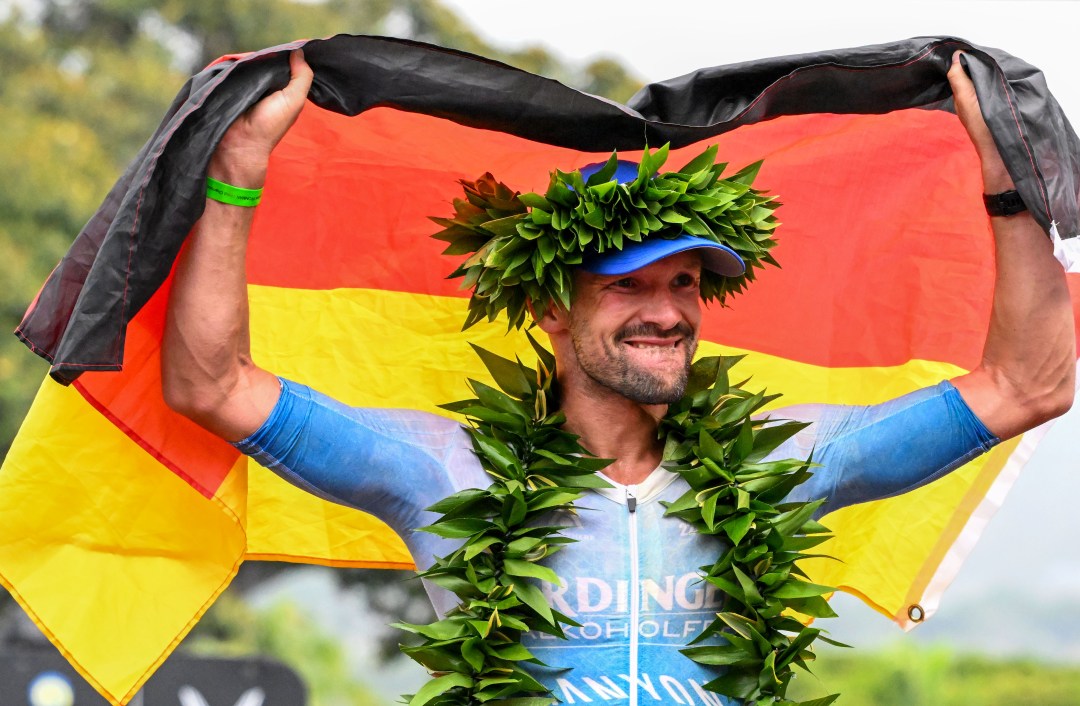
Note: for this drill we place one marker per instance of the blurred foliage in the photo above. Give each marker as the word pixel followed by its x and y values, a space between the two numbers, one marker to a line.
pixel 283 631
pixel 907 674
pixel 387 596
pixel 85 83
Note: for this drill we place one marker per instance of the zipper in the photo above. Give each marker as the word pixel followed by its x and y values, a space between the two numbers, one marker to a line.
pixel 635 590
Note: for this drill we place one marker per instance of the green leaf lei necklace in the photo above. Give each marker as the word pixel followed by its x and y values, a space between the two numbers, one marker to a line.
pixel 710 438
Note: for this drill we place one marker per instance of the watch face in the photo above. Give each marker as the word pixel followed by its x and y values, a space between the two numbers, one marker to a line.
pixel 1007 203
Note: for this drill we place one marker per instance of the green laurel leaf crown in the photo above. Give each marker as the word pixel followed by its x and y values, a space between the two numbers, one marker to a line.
pixel 523 247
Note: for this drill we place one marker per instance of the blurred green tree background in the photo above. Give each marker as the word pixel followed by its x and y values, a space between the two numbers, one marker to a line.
pixel 85 82
pixel 905 675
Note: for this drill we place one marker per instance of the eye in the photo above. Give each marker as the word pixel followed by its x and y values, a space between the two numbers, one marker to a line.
pixel 624 283
pixel 685 281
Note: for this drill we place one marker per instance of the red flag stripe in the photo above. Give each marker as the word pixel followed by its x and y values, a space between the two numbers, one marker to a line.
pixel 831 171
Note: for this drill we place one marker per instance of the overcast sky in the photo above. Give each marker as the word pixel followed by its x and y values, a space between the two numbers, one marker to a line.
pixel 1028 558
pixel 663 40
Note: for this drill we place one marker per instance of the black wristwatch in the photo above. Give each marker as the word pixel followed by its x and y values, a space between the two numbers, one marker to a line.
pixel 1007 203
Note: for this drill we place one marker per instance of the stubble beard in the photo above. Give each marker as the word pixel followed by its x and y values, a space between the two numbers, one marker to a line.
pixel 612 369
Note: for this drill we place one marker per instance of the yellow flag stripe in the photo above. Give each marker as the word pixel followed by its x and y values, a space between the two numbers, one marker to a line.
pixel 379 348
pixel 923 593
pixel 288 524
pixel 890 549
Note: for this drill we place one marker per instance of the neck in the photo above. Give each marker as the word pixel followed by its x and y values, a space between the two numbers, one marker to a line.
pixel 612 426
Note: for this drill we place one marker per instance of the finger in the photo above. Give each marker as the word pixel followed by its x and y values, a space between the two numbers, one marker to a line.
pixel 967 100
pixel 300 78
pixel 958 77
pixel 957 57
pixel 968 109
pixel 280 110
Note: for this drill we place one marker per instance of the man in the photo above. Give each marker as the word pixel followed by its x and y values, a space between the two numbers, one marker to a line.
pixel 622 347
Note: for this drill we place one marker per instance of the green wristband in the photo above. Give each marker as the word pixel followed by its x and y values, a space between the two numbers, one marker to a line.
pixel 232 195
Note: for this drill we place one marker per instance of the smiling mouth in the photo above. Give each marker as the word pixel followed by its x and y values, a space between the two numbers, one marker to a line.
pixel 650 337
pixel 657 345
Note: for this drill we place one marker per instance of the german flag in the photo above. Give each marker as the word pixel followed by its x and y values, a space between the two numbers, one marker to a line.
pixel 124 521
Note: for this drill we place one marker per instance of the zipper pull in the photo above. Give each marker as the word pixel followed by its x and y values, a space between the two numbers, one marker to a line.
pixel 631 500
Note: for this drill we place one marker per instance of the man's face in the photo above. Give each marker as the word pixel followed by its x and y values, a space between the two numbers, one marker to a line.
pixel 636 334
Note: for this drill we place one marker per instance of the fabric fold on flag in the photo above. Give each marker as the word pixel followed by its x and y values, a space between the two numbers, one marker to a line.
pixel 885 287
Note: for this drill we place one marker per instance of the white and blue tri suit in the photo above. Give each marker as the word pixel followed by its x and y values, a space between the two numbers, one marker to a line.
pixel 632 580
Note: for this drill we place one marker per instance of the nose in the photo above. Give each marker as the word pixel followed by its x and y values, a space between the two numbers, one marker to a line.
pixel 663 308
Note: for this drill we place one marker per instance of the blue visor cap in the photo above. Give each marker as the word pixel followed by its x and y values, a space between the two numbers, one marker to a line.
pixel 714 257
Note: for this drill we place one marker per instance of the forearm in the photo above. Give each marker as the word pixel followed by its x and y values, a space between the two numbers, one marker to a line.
pixel 207 371
pixel 1027 371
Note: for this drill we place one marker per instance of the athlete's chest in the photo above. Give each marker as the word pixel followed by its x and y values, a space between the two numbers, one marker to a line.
pixel 628 557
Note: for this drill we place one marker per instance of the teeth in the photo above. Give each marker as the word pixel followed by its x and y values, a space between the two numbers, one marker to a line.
pixel 643 346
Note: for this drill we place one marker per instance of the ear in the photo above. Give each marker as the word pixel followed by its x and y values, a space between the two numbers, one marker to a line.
pixel 550 320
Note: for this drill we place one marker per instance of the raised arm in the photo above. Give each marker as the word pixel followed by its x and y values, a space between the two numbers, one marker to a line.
pixel 207 371
pixel 1028 366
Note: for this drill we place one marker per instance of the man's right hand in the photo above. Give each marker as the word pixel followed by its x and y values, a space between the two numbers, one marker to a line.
pixel 244 152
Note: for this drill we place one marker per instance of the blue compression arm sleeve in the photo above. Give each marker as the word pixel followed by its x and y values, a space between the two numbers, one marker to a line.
pixel 874 452
pixel 390 463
